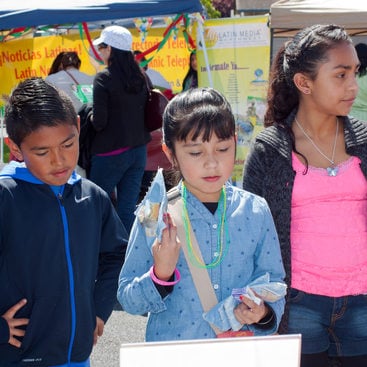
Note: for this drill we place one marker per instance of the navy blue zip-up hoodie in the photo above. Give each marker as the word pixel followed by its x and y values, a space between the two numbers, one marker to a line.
pixel 63 253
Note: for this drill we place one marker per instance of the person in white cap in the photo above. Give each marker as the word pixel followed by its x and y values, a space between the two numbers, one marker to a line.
pixel 119 97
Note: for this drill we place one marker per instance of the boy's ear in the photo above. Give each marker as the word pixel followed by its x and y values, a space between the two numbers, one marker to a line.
pixel 15 150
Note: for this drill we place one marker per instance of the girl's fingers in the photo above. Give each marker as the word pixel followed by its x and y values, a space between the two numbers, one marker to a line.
pixel 172 230
pixel 167 220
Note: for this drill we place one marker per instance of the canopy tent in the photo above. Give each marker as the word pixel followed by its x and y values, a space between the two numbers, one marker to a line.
pixel 37 13
pixel 288 16
pixel 26 13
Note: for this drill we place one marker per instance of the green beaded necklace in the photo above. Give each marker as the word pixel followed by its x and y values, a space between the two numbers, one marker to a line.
pixel 222 241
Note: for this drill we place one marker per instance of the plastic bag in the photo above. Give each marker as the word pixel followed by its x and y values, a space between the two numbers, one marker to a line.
pixel 153 206
pixel 266 290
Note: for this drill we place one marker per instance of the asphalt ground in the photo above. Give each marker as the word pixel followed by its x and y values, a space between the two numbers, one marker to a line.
pixel 120 328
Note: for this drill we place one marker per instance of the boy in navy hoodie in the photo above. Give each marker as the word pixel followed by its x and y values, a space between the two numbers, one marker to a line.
pixel 62 244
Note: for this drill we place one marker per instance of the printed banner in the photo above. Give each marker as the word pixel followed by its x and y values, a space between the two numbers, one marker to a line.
pixel 32 56
pixel 238 54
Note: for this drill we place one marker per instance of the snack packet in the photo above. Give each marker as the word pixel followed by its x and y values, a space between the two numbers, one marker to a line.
pixel 264 289
pixel 153 206
pixel 148 217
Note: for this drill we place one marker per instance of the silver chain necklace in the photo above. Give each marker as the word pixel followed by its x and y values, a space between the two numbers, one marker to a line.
pixel 332 170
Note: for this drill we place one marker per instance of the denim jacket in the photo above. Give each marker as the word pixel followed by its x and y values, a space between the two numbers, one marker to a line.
pixel 253 250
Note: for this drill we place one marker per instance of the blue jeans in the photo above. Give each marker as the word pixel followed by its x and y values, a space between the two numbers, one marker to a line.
pixel 121 175
pixel 337 325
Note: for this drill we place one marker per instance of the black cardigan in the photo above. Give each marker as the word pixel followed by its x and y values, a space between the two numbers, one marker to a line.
pixel 118 116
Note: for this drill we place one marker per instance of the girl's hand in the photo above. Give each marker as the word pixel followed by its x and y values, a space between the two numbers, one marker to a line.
pixel 14 323
pixel 166 253
pixel 248 312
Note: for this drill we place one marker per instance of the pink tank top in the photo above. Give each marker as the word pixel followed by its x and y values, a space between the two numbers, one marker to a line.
pixel 329 230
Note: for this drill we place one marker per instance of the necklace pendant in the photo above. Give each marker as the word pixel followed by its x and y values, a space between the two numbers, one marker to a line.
pixel 332 171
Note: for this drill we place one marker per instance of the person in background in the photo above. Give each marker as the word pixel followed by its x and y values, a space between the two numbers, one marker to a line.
pixel 310 164
pixel 191 78
pixel 65 74
pixel 62 244
pixel 56 65
pixel 234 230
pixel 155 156
pixel 359 108
pixel 119 148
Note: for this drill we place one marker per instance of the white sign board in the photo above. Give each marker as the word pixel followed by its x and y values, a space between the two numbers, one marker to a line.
pixel 260 351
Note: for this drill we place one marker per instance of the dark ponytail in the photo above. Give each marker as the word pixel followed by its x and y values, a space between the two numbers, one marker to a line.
pixel 282 95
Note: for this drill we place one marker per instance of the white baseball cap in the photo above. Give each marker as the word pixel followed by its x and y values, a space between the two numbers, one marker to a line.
pixel 115 36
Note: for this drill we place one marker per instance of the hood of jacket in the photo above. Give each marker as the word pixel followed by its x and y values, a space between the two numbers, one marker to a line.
pixel 19 171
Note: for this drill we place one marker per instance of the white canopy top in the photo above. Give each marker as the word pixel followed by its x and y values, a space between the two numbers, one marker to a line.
pixel 288 16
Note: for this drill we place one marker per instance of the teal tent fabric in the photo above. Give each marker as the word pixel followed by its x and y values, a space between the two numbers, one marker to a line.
pixel 26 13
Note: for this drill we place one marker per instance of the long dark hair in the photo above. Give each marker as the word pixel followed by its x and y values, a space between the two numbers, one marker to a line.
pixel 191 73
pixel 361 49
pixel 302 54
pixel 124 66
pixel 64 60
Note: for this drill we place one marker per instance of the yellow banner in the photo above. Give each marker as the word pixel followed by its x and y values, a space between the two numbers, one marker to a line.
pixel 238 57
pixel 32 57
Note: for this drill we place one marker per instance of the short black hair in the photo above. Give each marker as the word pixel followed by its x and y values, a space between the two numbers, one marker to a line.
pixel 34 103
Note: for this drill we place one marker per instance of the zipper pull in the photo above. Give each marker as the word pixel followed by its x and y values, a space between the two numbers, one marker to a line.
pixel 60 197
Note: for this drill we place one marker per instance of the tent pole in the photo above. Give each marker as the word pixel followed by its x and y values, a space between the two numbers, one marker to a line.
pixel 202 40
pixel 271 44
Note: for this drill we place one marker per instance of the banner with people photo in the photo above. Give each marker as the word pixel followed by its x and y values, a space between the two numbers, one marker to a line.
pixel 234 58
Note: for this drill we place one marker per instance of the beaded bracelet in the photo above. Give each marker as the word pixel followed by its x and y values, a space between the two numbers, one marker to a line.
pixel 162 282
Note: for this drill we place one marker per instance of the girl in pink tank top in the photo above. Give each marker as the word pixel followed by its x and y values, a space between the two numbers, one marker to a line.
pixel 310 164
